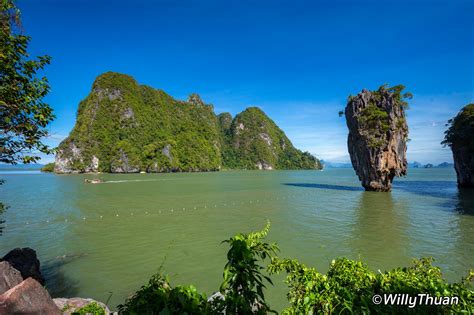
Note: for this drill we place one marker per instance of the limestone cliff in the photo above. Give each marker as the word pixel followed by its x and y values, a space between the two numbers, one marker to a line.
pixel 124 127
pixel 460 137
pixel 253 141
pixel 378 133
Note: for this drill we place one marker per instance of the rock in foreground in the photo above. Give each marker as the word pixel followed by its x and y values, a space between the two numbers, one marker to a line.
pixel 9 277
pixel 25 261
pixel 460 137
pixel 72 305
pixel 28 297
pixel 378 133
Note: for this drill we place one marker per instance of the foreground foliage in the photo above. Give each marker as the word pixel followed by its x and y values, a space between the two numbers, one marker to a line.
pixel 348 286
pixel 90 309
pixel 23 113
pixel 158 297
pixel 243 278
pixel 242 287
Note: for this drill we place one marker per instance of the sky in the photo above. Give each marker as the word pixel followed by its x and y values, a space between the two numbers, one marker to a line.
pixel 297 60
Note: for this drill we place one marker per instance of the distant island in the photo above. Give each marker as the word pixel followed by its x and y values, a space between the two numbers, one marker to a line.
pixel 430 165
pixel 21 167
pixel 124 127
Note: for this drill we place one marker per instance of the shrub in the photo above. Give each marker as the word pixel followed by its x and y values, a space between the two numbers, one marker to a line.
pixel 91 308
pixel 158 297
pixel 243 279
pixel 349 287
pixel 242 287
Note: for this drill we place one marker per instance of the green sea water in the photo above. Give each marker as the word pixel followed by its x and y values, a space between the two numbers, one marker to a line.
pixel 105 240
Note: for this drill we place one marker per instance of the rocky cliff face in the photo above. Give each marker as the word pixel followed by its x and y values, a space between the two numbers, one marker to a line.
pixel 378 133
pixel 124 127
pixel 253 141
pixel 460 137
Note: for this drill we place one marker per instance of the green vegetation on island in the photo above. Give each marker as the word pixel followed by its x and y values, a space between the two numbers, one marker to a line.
pixel 374 118
pixel 460 137
pixel 48 168
pixel 461 129
pixel 378 133
pixel 124 127
pixel 348 287
pixel 253 141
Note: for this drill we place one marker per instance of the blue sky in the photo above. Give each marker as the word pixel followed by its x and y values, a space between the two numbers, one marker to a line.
pixel 296 60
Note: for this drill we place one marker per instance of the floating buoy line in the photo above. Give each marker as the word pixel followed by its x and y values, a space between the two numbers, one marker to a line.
pixel 137 214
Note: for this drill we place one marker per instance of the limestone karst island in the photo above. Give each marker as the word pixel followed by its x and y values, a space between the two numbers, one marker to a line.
pixel 236 158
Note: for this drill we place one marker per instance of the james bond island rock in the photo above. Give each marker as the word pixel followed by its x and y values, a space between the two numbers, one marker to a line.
pixel 124 127
pixel 253 141
pixel 460 137
pixel 378 133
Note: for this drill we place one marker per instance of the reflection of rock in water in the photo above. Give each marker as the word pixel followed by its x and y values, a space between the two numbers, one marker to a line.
pixel 58 283
pixel 2 209
pixel 462 257
pixel 380 231
pixel 465 201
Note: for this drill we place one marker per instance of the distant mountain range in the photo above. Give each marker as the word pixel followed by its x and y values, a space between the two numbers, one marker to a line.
pixel 429 165
pixel 415 164
pixel 20 167
pixel 327 164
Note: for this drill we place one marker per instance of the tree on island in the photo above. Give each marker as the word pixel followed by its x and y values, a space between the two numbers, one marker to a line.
pixel 460 137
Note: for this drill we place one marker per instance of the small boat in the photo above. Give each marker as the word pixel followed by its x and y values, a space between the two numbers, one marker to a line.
pixel 93 181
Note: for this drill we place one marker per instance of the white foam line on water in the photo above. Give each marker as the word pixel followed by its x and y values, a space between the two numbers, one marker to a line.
pixel 133 180
pixel 132 214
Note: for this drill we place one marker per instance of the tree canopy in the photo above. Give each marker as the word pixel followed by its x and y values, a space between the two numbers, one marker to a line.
pixel 461 129
pixel 24 115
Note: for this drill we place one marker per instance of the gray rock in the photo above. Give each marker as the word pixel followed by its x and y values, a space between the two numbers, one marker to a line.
pixel 262 165
pixel 9 277
pixel 167 151
pixel 464 165
pixel 123 165
pixel 69 306
pixel 28 297
pixel 128 114
pixel 70 155
pixel 25 261
pixel 195 99
pixel 65 159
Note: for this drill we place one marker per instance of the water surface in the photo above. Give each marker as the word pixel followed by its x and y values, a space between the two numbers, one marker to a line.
pixel 107 239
